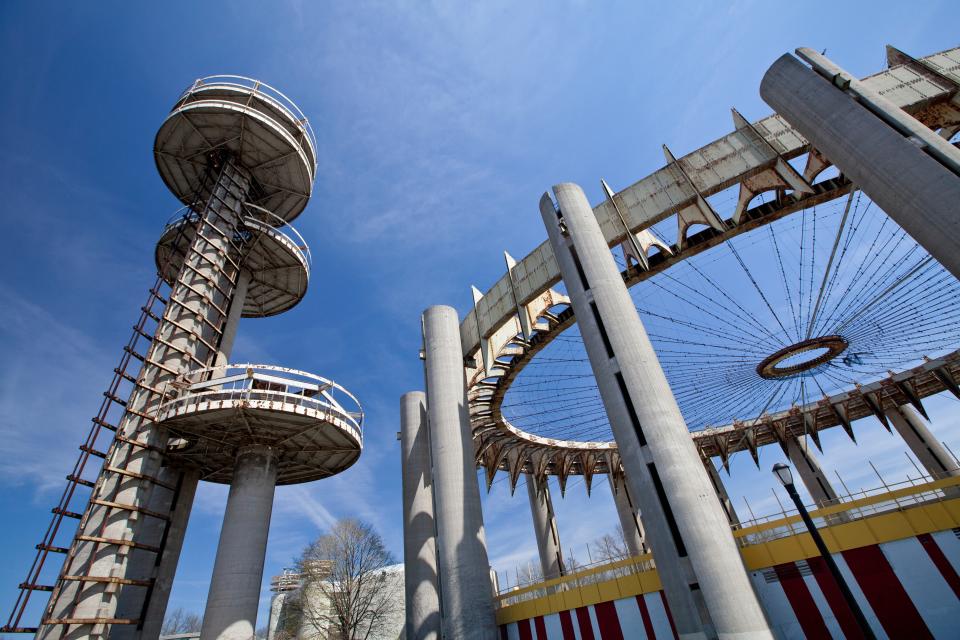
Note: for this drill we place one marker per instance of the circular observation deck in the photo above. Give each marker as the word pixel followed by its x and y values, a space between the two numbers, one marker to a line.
pixel 313 424
pixel 277 258
pixel 263 129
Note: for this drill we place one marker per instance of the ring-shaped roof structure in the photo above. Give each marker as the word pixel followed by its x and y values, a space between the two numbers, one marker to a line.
pixel 522 313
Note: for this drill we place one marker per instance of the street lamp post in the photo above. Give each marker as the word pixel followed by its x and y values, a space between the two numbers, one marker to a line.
pixel 785 476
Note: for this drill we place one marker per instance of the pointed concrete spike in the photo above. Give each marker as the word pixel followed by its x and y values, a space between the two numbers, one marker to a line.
pixel 669 156
pixel 875 406
pixel 943 375
pixel 511 263
pixel 477 294
pixel 606 188
pixel 895 56
pixel 810 428
pixel 841 413
pixel 912 396
pixel 739 122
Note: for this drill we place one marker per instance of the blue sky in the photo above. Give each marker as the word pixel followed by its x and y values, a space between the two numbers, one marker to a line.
pixel 439 126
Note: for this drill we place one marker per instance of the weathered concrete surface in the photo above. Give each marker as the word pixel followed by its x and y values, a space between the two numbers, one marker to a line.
pixel 234 595
pixel 674 480
pixel 462 548
pixel 912 187
pixel 634 535
pixel 930 451
pixel 674 571
pixel 721 491
pixel 545 527
pixel 419 529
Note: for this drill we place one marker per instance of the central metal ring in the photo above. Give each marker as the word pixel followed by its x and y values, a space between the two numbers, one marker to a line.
pixel 834 345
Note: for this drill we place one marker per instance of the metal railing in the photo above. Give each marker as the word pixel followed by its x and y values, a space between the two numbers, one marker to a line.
pixel 264 91
pixel 891 497
pixel 886 499
pixel 584 576
pixel 258 382
pixel 255 217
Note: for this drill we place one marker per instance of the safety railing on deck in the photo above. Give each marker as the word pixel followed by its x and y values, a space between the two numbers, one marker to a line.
pixel 889 499
pixel 584 576
pixel 892 497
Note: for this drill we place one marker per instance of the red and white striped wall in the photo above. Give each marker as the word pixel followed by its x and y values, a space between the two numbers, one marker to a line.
pixel 646 616
pixel 908 589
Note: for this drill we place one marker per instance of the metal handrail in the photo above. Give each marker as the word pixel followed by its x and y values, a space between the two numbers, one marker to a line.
pixel 268 93
pixel 187 386
pixel 757 531
pixel 189 214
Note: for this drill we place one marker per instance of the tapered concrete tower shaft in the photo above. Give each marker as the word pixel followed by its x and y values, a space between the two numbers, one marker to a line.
pixel 721 491
pixel 186 481
pixel 187 334
pixel 234 596
pixel 545 527
pixel 419 529
pixel 461 544
pixel 631 524
pixel 673 481
pixel 923 443
pixel 915 189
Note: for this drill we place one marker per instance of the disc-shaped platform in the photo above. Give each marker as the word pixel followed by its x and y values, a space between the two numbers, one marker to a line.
pixel 314 424
pixel 277 259
pixel 262 128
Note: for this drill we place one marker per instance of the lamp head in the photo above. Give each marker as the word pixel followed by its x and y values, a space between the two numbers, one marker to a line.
pixel 783 473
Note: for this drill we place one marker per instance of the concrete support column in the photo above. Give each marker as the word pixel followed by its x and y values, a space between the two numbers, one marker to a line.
pixel 915 189
pixel 186 481
pixel 234 595
pixel 461 542
pixel 661 463
pixel 233 318
pixel 545 527
pixel 419 529
pixel 721 491
pixel 633 534
pixel 811 473
pixel 929 451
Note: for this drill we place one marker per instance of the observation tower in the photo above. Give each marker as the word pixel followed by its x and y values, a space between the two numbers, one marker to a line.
pixel 241 158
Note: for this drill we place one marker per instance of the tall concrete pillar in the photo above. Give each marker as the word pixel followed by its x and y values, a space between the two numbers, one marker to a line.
pixel 234 596
pixel 461 543
pixel 545 527
pixel 721 492
pixel 888 162
pixel 811 473
pixel 631 524
pixel 929 451
pixel 186 481
pixel 419 529
pixel 659 459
